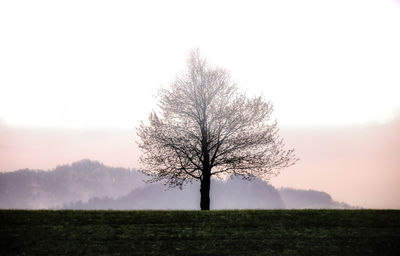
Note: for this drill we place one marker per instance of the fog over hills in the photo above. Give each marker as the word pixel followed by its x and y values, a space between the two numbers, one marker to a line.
pixel 91 185
pixel 80 181
pixel 234 193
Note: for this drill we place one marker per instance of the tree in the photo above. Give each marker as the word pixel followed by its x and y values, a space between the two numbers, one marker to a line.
pixel 205 128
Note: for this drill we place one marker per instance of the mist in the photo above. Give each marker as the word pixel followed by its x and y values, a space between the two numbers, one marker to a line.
pixel 89 184
pixel 358 165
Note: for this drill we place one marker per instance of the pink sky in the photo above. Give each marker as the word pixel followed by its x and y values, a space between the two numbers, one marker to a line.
pixel 359 165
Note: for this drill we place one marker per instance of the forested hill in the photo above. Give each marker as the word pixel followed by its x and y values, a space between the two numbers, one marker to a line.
pixel 80 181
pixel 233 193
pixel 91 185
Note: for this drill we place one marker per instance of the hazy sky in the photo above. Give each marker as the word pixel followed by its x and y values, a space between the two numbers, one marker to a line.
pixel 76 78
pixel 99 63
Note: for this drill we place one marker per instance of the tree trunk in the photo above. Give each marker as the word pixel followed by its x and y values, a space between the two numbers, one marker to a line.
pixel 205 193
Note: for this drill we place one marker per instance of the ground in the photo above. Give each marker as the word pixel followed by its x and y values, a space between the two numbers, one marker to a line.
pixel 241 232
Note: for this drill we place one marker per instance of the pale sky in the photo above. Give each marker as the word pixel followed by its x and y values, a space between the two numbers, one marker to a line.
pixel 98 64
pixel 77 77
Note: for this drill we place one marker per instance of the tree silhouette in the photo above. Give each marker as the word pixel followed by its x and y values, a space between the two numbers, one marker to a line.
pixel 205 128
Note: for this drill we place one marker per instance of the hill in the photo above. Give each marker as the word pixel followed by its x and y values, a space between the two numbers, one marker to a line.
pixel 233 193
pixel 82 180
pixel 91 185
pixel 309 199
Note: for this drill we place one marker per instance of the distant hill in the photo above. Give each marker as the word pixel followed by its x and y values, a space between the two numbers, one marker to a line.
pixel 80 181
pixel 234 193
pixel 91 185
pixel 309 199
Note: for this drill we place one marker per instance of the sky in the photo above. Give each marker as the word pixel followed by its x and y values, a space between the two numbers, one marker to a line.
pixel 89 71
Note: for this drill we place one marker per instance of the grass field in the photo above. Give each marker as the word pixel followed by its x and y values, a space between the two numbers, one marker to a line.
pixel 247 232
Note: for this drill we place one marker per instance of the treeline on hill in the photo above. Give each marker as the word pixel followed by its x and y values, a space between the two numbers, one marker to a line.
pixel 91 185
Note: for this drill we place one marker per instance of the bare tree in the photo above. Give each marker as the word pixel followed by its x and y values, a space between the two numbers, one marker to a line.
pixel 205 128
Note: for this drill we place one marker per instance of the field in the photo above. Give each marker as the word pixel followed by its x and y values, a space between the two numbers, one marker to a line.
pixel 244 232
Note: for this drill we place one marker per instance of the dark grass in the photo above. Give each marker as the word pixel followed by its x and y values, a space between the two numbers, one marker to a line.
pixel 247 232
